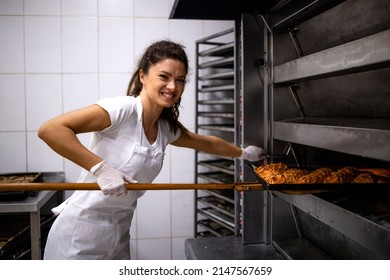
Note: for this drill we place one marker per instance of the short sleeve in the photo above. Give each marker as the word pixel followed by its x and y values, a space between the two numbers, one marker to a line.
pixel 119 108
pixel 176 135
pixel 169 135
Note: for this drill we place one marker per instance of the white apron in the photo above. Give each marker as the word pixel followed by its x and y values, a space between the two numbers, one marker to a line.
pixel 95 226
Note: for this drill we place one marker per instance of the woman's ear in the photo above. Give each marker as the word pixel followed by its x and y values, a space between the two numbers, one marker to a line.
pixel 141 76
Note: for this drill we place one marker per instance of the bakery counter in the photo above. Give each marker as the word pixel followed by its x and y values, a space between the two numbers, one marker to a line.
pixel 228 248
pixel 231 248
pixel 34 206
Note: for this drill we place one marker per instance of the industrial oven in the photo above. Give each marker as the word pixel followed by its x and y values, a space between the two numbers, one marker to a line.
pixel 312 87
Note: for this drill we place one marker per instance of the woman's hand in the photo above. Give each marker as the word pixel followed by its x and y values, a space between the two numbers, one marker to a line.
pixel 110 180
pixel 252 153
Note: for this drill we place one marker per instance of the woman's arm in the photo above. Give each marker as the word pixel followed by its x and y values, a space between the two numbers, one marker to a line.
pixel 60 133
pixel 208 144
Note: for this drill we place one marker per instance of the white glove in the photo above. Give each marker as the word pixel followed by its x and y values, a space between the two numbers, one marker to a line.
pixel 252 153
pixel 110 180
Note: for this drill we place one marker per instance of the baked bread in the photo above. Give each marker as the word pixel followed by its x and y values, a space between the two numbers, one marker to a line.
pixel 292 175
pixel 270 176
pixel 315 177
pixel 365 177
pixel 342 176
pixel 271 173
pixel 278 167
pixel 280 173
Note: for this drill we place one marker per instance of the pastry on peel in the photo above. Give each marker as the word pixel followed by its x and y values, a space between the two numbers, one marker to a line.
pixel 366 177
pixel 342 176
pixel 315 177
pixel 280 173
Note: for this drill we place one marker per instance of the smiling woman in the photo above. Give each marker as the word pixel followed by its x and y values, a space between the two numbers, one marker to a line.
pixel 169 65
pixel 130 135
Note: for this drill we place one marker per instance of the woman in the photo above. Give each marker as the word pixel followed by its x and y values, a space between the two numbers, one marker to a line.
pixel 127 146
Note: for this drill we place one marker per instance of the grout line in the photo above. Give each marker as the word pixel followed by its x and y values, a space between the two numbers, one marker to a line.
pixel 98 48
pixel 25 86
pixel 62 73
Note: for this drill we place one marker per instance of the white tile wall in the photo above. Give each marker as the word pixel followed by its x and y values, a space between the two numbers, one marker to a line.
pixel 12 100
pixel 116 8
pixel 148 30
pixel 79 90
pixel 42 44
pixel 113 84
pixel 178 249
pixel 11 7
pixel 79 8
pixel 116 44
pixel 79 44
pixel 40 157
pixel 161 8
pixel 154 249
pixel 154 207
pixel 182 213
pixel 133 249
pixel 11 47
pixel 43 98
pixel 42 7
pixel 59 55
pixel 13 152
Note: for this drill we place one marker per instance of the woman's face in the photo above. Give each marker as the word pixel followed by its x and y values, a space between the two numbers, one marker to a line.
pixel 164 84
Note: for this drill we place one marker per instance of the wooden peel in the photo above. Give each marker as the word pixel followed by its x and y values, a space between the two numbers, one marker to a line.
pixel 138 186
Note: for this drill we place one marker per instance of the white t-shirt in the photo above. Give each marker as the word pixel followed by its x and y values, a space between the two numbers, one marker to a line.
pixel 116 142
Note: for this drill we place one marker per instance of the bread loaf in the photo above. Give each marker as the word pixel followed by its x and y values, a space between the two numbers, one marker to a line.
pixel 280 173
pixel 366 177
pixel 315 177
pixel 342 176
pixel 271 172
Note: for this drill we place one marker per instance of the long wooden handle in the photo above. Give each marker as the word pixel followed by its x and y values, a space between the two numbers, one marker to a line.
pixel 138 186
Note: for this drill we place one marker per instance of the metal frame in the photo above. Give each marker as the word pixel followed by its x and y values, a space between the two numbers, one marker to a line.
pixel 370 235
pixel 255 121
pixel 365 53
pixel 343 135
pixel 219 55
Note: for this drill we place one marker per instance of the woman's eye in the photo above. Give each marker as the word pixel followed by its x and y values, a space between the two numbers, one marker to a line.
pixel 164 77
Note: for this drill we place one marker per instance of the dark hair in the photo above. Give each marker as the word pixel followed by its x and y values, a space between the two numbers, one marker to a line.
pixel 155 53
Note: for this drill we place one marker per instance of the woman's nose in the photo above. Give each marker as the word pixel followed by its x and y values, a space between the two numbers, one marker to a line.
pixel 171 85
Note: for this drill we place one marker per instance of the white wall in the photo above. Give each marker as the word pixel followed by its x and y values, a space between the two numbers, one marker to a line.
pixel 59 55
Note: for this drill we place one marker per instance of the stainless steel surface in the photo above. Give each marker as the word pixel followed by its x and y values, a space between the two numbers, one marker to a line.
pixel 35 227
pixel 371 235
pixel 217 88
pixel 228 248
pixel 371 51
pixel 331 73
pixel 253 122
pixel 300 249
pixel 30 204
pixel 290 13
pixel 33 206
pixel 361 137
pixel 338 115
pixel 304 5
pixel 223 165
